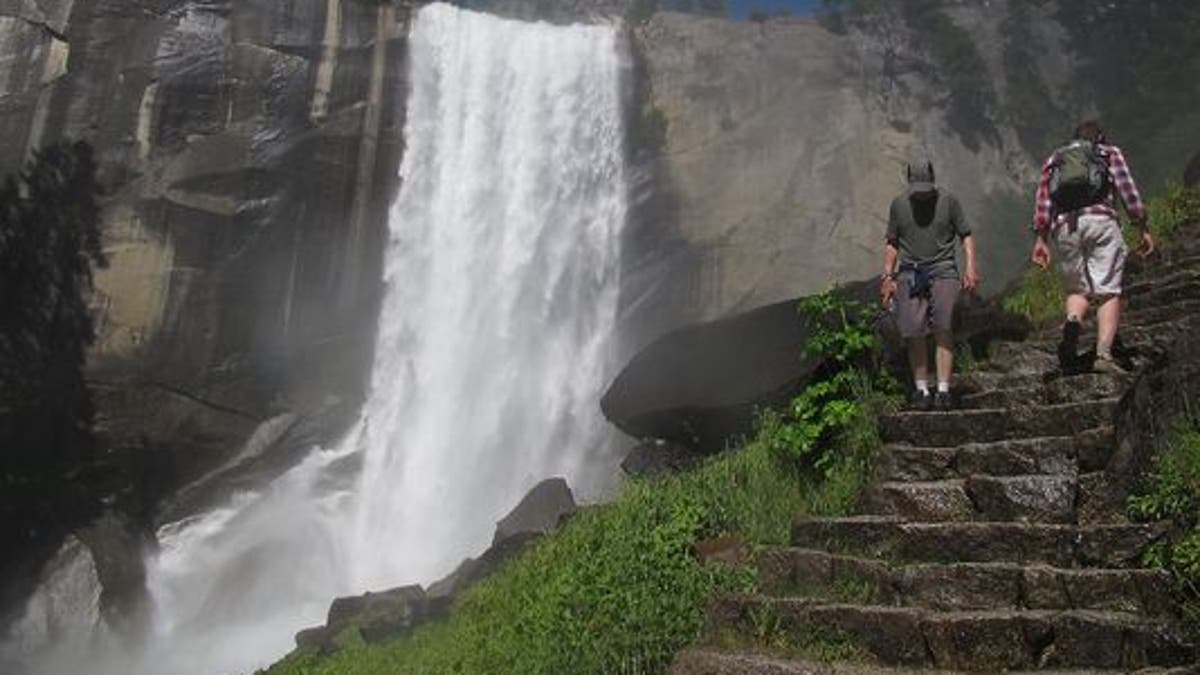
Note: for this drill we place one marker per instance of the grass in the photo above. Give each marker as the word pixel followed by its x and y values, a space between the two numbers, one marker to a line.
pixel 618 585
pixel 764 629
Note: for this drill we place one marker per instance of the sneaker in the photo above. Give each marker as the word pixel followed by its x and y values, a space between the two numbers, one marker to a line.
pixel 921 400
pixel 1106 364
pixel 942 401
pixel 1068 347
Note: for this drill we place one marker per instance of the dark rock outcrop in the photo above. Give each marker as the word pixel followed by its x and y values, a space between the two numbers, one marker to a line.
pixel 375 617
pixel 540 512
pixel 656 457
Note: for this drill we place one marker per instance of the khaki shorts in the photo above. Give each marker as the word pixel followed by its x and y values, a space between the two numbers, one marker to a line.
pixel 1091 254
pixel 919 316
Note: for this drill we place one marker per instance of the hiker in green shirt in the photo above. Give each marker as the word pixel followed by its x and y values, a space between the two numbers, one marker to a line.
pixel 924 224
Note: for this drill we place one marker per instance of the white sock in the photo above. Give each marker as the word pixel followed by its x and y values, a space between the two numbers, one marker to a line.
pixel 943 387
pixel 923 386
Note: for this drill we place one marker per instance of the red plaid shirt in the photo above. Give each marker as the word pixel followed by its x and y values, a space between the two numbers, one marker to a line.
pixel 1123 185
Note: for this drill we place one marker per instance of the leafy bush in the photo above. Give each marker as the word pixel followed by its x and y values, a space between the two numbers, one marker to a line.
pixel 1172 492
pixel 829 432
pixel 1176 207
pixel 1038 295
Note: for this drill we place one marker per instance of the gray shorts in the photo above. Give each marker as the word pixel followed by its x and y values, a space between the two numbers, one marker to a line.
pixel 1091 254
pixel 920 316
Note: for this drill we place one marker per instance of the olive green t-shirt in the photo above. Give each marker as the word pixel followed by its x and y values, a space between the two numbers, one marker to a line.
pixel 924 230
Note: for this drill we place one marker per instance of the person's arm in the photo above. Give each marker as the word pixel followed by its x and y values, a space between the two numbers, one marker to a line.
pixel 887 284
pixel 962 229
pixel 1043 217
pixel 970 280
pixel 1127 190
pixel 891 254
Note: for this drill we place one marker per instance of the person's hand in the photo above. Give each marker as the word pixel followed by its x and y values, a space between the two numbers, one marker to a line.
pixel 1146 246
pixel 887 291
pixel 1041 253
pixel 970 280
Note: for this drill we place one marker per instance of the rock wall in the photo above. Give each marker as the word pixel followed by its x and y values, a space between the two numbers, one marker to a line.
pixel 248 151
pixel 785 140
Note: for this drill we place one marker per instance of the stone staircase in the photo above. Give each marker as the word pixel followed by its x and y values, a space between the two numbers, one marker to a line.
pixel 992 539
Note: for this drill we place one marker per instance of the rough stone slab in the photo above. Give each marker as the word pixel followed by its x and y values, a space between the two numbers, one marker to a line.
pixel 1059 545
pixel 1003 398
pixel 705 661
pixel 1086 387
pixel 942 429
pixel 964 586
pixel 931 501
pixel 1040 455
pixel 982 641
pixel 1046 454
pixel 1032 498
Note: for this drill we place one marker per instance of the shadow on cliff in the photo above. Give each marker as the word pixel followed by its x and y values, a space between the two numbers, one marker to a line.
pixel 49 240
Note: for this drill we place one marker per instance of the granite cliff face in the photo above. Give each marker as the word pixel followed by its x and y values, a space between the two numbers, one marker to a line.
pixel 248 152
pixel 785 140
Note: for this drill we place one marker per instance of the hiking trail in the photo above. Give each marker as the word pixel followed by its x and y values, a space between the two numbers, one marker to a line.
pixel 993 537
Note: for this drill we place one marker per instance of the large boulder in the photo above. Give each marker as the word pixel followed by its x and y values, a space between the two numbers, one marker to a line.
pixel 699 386
pixel 540 511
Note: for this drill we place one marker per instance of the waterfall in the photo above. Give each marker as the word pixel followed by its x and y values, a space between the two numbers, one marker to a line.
pixel 492 350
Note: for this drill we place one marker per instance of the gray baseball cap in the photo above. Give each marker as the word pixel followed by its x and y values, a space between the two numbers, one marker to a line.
pixel 920 176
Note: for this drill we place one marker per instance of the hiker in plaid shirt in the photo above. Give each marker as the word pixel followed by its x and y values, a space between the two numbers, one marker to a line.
pixel 1091 247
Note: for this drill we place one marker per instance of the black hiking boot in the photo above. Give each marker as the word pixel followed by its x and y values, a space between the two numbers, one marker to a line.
pixel 942 402
pixel 1068 347
pixel 921 401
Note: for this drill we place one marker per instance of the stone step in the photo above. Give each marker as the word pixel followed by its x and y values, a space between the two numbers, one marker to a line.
pixel 961 586
pixel 709 661
pixel 1182 286
pixel 940 429
pixel 1042 498
pixel 1139 315
pixel 1076 388
pixel 893 538
pixel 1039 455
pixel 981 641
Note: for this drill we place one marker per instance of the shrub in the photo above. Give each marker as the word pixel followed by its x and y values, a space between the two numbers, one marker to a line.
pixel 1038 295
pixel 1172 492
pixel 1176 207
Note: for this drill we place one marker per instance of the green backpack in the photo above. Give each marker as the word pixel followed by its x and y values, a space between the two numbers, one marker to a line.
pixel 1079 176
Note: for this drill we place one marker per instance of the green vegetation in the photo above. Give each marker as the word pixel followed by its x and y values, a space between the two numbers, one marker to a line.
pixel 1176 207
pixel 1172 492
pixel 1038 295
pixel 49 240
pixel 618 589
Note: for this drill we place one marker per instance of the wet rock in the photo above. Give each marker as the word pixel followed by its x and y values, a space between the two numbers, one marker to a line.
pixel 540 511
pixel 657 457
pixel 1191 176
pixel 1034 498
pixel 374 616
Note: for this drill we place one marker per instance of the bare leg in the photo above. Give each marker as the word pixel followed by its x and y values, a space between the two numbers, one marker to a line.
pixel 1107 319
pixel 1077 306
pixel 945 355
pixel 918 358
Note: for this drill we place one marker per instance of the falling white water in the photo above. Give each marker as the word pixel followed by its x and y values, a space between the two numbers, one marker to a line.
pixel 491 354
